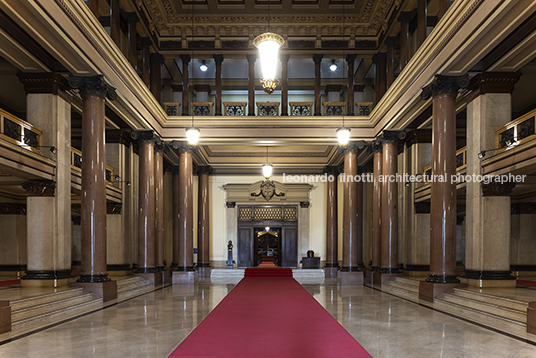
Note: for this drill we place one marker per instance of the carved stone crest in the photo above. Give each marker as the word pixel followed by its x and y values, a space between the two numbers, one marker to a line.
pixel 268 190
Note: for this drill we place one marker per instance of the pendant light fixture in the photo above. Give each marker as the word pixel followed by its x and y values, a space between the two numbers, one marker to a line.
pixel 343 133
pixel 267 167
pixel 192 133
pixel 268 45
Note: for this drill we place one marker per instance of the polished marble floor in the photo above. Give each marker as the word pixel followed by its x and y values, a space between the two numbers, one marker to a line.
pixel 152 325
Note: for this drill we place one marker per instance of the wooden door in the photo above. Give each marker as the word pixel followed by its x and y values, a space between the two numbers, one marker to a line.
pixel 245 247
pixel 289 247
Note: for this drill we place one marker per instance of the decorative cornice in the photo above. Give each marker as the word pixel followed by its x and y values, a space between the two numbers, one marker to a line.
pixel 422 207
pixel 39 187
pixel 146 136
pixel 53 83
pixel 113 208
pixel 497 189
pixel 490 82
pixel 304 204
pixel 523 208
pixel 93 85
pixel 444 85
pixel 120 136
pixel 390 136
pixel 203 170
pixel 12 209
pixel 350 58
pixel 230 204
pixel 182 146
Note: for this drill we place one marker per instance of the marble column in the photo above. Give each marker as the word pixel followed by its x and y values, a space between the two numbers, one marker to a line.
pixel 146 57
pixel 147 268
pixel 203 217
pixel 94 7
pixel 115 22
pixel 422 20
pixel 48 217
pixel 351 253
pixel 376 148
pixel 94 91
pixel 157 61
pixel 185 58
pixel 132 39
pixel 442 277
pixel 185 273
pixel 251 84
pixel 176 215
pixel 317 59
pixel 284 83
pixel 218 60
pixel 404 38
pixel 380 60
pixel 389 208
pixel 350 60
pixel 160 150
pixel 331 267
pixel 390 42
pixel 487 261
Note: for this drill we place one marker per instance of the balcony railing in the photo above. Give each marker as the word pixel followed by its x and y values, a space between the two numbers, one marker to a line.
pixel 19 132
pixel 461 163
pixel 76 164
pixel 516 132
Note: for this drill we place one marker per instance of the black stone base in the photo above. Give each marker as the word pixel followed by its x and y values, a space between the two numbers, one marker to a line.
pixel 350 269
pixel 48 275
pixel 384 270
pixel 147 270
pixel 93 278
pixel 417 268
pixel 204 264
pixel 442 279
pixel 13 267
pixel 519 268
pixel 161 268
pixel 330 265
pixel 185 268
pixel 487 275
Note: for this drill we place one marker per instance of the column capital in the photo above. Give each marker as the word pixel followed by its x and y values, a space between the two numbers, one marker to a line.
pixel 404 16
pixel 251 58
pixel 146 136
pixel 497 189
pixel 375 146
pixel 490 82
pixel 161 147
pixel 12 209
pixel 444 85
pixel 353 147
pixel 284 57
pixel 185 58
pixel 132 18
pixel 158 58
pixel 391 136
pixel 203 169
pixel 317 57
pixel 47 83
pixel 39 187
pixel 93 85
pixel 218 59
pixel 183 146
pixel 350 58
pixel 304 204
pixel 332 170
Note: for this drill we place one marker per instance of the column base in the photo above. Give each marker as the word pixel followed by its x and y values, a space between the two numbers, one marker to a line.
pixel 47 278
pixel 166 276
pixel 183 277
pixel 331 271
pixel 531 318
pixel 369 277
pixel 381 278
pixel 430 290
pixel 105 290
pixel 153 277
pixel 5 317
pixel 204 271
pixel 481 278
pixel 351 278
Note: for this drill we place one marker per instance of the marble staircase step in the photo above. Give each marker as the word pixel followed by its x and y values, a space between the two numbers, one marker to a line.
pixel 400 292
pixel 404 285
pixel 41 299
pixel 496 300
pixel 223 273
pixel 498 322
pixel 39 309
pixel 497 310
pixel 135 286
pixel 408 281
pixel 127 281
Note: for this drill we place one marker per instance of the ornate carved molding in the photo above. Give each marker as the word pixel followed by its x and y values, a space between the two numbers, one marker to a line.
pixel 523 208
pixel 161 147
pixel 375 146
pixel 490 82
pixel 39 187
pixel 497 189
pixel 113 208
pixel 47 83
pixel 203 169
pixel 353 147
pixel 390 136
pixel 230 205
pixel 422 207
pixel 93 85
pixel 268 190
pixel 444 85
pixel 183 146
pixel 304 204
pixel 146 136
pixel 12 209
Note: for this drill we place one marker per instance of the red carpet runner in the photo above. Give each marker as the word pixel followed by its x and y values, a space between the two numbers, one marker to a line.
pixel 269 317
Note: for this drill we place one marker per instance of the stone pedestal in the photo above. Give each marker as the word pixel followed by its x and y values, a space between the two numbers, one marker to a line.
pixel 430 290
pixel 331 272
pixel 105 290
pixel 153 277
pixel 166 276
pixel 369 278
pixel 381 278
pixel 531 318
pixel 204 271
pixel 351 278
pixel 183 277
pixel 5 317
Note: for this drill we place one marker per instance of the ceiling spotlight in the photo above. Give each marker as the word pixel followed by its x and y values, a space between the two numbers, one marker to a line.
pixel 117 178
pixel 203 66
pixel 333 66
pixel 407 184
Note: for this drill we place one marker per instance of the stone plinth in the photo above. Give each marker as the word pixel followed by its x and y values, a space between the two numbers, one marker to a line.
pixel 331 272
pixel 154 278
pixel 351 278
pixel 105 290
pixel 5 317
pixel 429 290
pixel 183 277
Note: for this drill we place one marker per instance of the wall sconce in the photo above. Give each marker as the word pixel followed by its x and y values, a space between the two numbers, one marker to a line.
pixel 117 178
